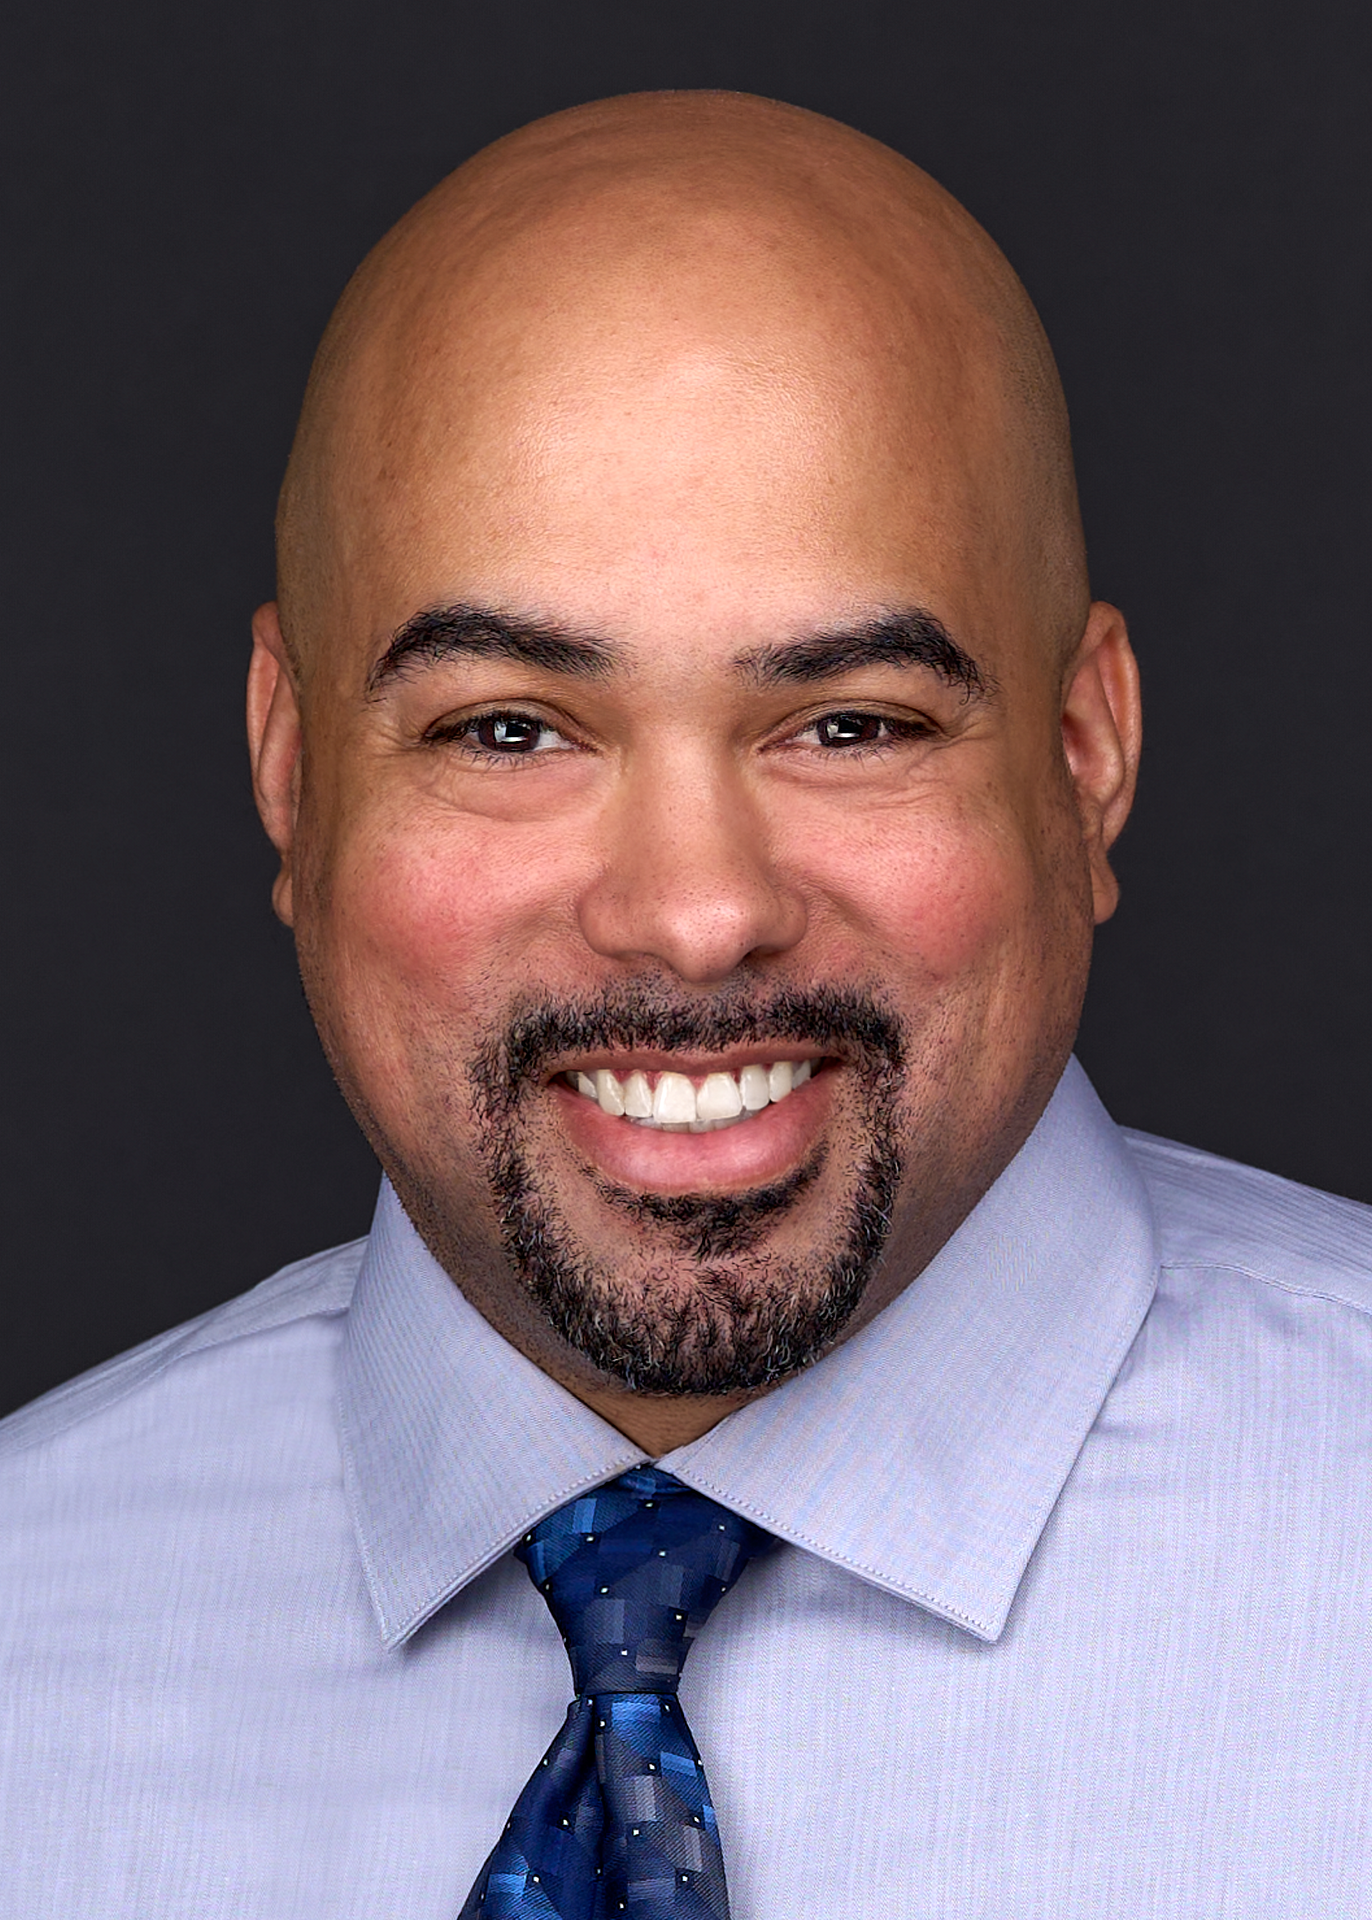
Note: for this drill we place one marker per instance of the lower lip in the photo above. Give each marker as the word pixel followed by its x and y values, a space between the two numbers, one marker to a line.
pixel 751 1154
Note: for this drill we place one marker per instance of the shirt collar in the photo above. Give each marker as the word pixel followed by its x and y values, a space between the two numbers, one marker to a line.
pixel 925 1454
pixel 453 1443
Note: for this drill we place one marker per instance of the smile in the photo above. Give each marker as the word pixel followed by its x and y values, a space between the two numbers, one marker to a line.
pixel 675 1103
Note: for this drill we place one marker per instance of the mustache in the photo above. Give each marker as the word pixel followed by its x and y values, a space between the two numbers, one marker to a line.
pixel 849 1021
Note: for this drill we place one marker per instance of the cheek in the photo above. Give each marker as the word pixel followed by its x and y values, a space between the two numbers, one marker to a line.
pixel 951 894
pixel 439 914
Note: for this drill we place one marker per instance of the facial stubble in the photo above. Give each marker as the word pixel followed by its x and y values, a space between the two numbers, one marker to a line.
pixel 741 1316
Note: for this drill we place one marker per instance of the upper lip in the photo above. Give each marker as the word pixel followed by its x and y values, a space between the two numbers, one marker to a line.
pixel 695 1066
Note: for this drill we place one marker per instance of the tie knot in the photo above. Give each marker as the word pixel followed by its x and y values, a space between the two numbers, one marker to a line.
pixel 631 1572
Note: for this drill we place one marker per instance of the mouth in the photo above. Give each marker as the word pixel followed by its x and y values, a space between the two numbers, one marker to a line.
pixel 668 1101
pixel 657 1122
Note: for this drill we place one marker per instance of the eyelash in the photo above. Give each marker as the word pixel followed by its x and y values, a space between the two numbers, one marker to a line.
pixel 461 733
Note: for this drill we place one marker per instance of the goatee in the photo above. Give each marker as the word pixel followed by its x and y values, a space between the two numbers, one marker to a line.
pixel 746 1317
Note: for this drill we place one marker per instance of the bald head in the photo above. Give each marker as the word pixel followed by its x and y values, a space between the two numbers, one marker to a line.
pixel 662 258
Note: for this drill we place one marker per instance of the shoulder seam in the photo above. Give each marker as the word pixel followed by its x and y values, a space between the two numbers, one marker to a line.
pixel 48 1417
pixel 1267 1280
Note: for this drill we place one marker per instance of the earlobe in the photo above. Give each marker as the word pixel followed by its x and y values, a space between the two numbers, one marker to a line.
pixel 274 740
pixel 1102 733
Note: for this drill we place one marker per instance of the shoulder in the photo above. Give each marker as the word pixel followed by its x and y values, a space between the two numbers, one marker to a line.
pixel 1216 1214
pixel 292 1310
pixel 1243 1400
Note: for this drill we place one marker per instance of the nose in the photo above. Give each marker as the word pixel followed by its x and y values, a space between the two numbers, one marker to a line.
pixel 688 876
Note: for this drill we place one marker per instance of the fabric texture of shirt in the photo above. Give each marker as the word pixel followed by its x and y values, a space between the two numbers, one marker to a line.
pixel 1072 1619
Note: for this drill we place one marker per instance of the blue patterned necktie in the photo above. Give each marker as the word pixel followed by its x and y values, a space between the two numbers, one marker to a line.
pixel 617 1817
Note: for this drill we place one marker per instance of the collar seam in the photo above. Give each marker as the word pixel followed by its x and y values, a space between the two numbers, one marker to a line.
pixel 794 1537
pixel 396 1635
pixel 353 1488
pixel 891 1583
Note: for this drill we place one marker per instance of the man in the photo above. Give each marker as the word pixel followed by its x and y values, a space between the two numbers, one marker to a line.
pixel 694 757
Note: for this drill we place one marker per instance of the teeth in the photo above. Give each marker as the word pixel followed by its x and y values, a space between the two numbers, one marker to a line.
pixel 719 1098
pixel 674 1101
pixel 607 1091
pixel 753 1089
pixel 638 1097
pixel 676 1105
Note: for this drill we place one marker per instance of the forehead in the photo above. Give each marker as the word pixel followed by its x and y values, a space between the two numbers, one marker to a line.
pixel 725 428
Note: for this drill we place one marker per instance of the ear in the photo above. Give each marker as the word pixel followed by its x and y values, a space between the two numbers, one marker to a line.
pixel 1102 732
pixel 274 745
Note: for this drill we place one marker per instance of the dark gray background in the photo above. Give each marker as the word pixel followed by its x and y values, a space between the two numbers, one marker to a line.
pixel 1185 189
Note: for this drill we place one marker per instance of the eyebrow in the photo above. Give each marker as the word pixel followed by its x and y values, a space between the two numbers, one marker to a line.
pixel 477 633
pixel 912 637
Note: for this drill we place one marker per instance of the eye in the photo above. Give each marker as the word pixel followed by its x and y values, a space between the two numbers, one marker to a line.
pixel 850 727
pixel 509 733
pixel 503 735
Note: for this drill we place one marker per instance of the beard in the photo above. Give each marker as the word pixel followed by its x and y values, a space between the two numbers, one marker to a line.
pixel 746 1316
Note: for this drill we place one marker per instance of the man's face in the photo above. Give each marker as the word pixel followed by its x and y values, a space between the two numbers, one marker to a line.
pixel 687 746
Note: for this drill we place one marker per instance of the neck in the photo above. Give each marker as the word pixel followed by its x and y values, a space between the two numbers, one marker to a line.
pixel 658 1422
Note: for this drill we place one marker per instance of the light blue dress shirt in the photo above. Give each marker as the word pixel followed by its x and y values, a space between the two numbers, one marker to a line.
pixel 1074 1622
